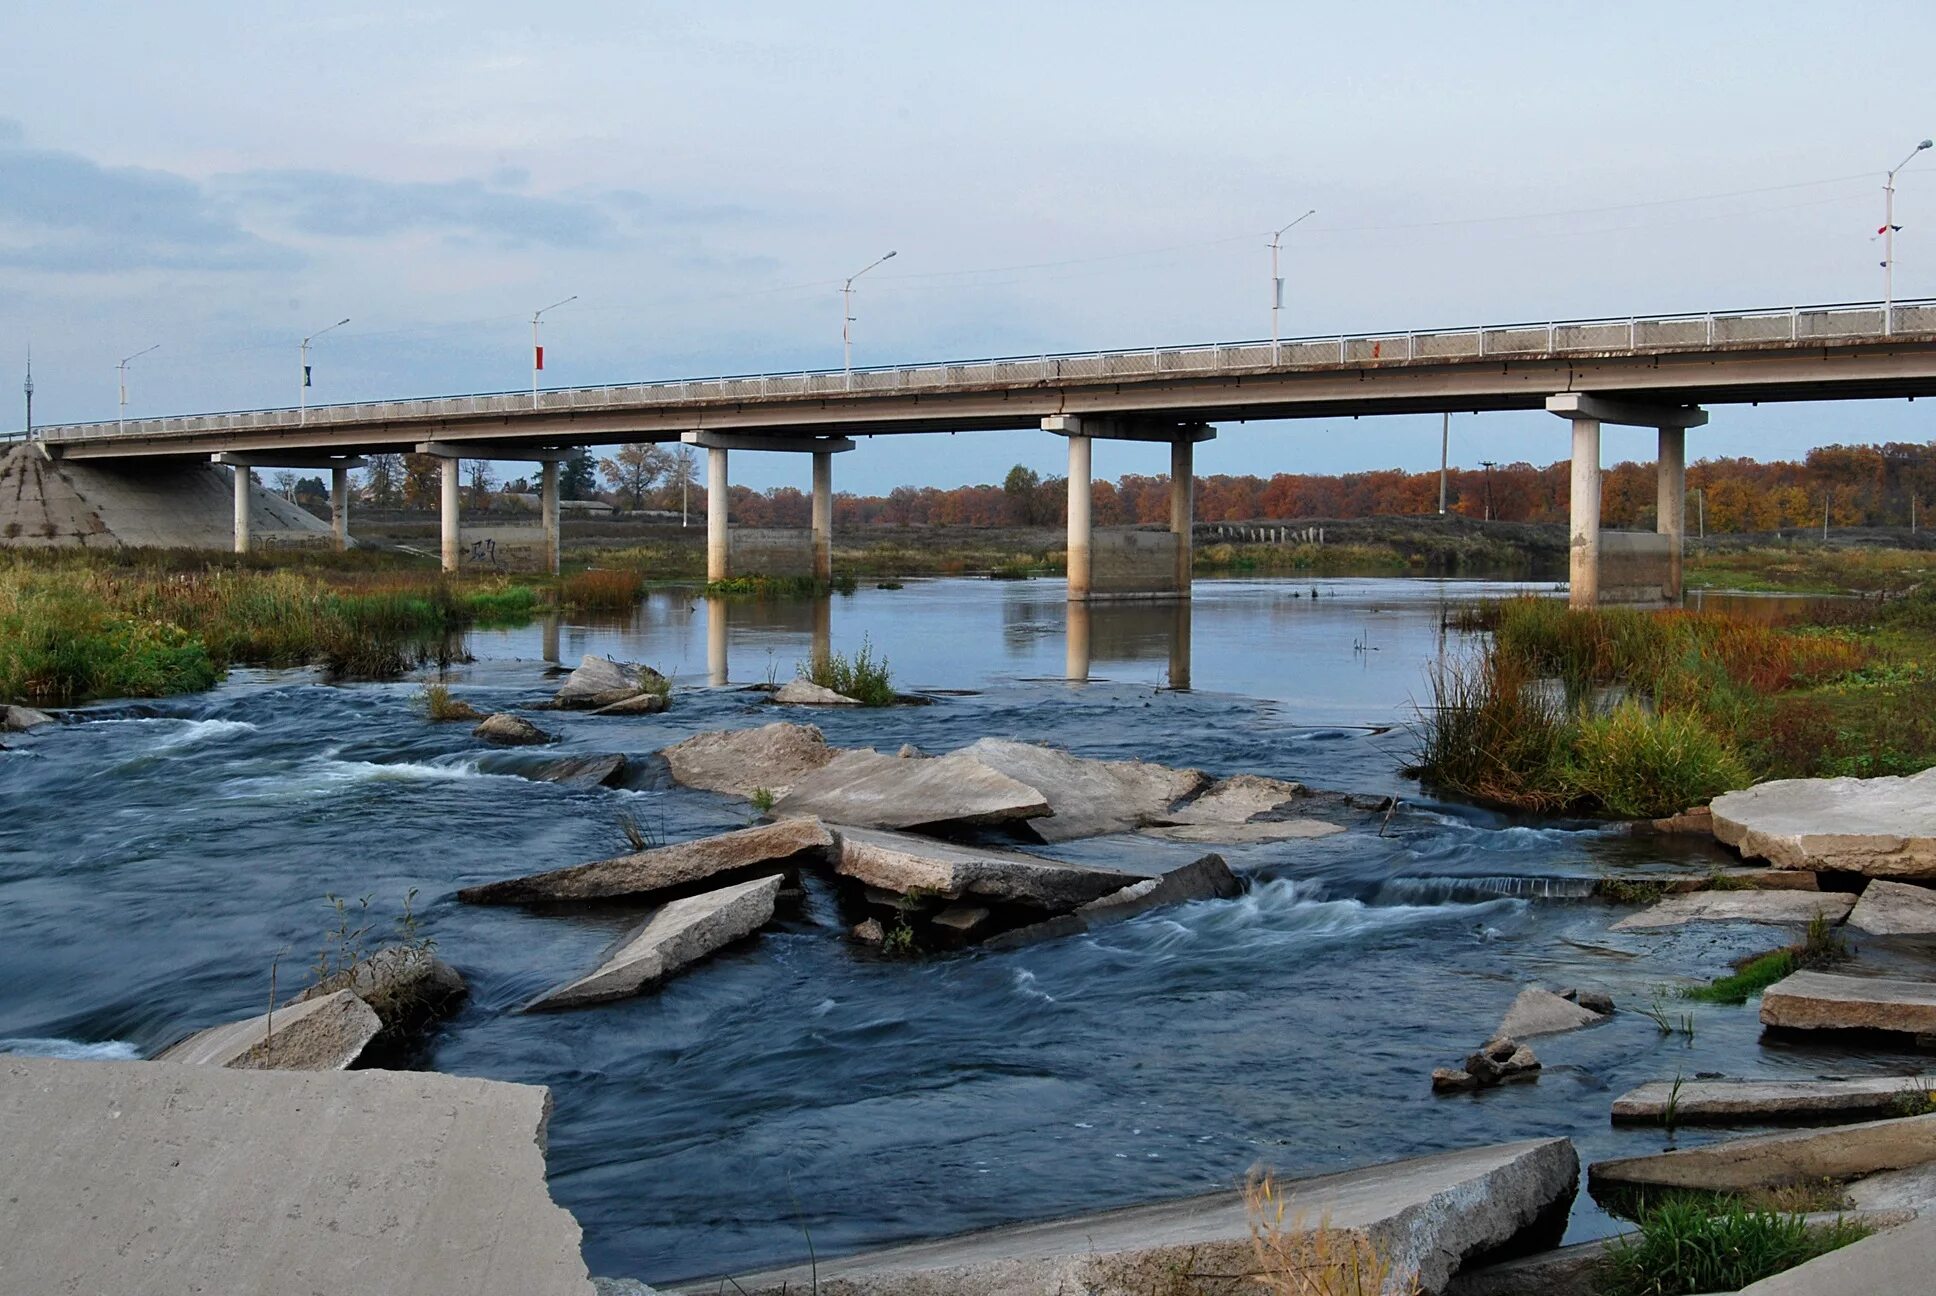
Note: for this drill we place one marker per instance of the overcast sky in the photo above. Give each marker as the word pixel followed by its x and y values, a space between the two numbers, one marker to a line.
pixel 224 178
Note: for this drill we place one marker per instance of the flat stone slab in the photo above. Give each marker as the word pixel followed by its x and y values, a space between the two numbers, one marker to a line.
pixel 870 790
pixel 1086 797
pixel 326 1033
pixel 581 771
pixel 804 692
pixel 1895 909
pixel 1912 1188
pixel 1771 1160
pixel 683 932
pixel 1208 878
pixel 1425 1215
pixel 1751 1102
pixel 1541 1012
pixel 1798 908
pixel 1833 1001
pixel 1882 827
pixel 1894 1262
pixel 664 869
pixel 904 864
pixel 166 1180
pixel 741 762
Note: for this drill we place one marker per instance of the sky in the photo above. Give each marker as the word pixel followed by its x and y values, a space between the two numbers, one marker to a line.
pixel 222 179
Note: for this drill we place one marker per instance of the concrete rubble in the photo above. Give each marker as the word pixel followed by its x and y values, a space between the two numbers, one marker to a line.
pixel 404 985
pixel 1798 908
pixel 804 692
pixel 133 1177
pixel 665 870
pixel 1085 797
pixel 327 1033
pixel 870 790
pixel 19 719
pixel 1208 878
pixel 1835 1001
pixel 679 934
pixel 1426 1216
pixel 1772 1160
pixel 600 682
pixel 1912 1188
pixel 508 730
pixel 908 865
pixel 1895 909
pixel 742 762
pixel 1880 827
pixel 1240 810
pixel 1499 1061
pixel 1754 1102
pixel 637 704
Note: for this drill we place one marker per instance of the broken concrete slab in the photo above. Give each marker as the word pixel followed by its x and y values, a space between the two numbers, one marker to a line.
pixel 133 1177
pixel 741 762
pixel 962 919
pixel 1208 878
pixel 665 870
pixel 1913 1188
pixel 510 731
pixel 906 864
pixel 601 682
pixel 404 985
pixel 681 933
pixel 19 719
pixel 1881 827
pixel 1835 1001
pixel 1541 1012
pixel 804 692
pixel 1085 797
pixel 1895 909
pixel 1236 799
pixel 1754 1102
pixel 1798 908
pixel 1425 1216
pixel 1772 1160
pixel 582 771
pixel 327 1033
pixel 637 704
pixel 1697 821
pixel 1737 878
pixel 869 790
pixel 1894 1262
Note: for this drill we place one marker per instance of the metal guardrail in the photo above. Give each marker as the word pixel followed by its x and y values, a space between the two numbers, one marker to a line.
pixel 1840 321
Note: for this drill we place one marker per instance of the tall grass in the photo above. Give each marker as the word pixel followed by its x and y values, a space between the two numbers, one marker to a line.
pixel 602 589
pixel 1292 1260
pixel 1687 1245
pixel 863 677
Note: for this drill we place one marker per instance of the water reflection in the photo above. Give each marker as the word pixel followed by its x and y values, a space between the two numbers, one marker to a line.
pixel 1128 632
pixel 768 621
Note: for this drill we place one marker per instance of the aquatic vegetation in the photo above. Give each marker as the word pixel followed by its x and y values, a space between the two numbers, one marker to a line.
pixel 1688 1244
pixel 863 677
pixel 1640 763
pixel 1821 947
pixel 779 587
pixel 602 589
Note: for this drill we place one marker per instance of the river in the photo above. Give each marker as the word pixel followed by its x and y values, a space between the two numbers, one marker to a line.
pixel 156 861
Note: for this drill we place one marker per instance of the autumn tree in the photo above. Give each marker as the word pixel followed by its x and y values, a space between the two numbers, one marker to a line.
pixel 422 481
pixel 383 480
pixel 632 471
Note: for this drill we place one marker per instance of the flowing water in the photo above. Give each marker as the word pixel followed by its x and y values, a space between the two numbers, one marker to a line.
pixel 156 861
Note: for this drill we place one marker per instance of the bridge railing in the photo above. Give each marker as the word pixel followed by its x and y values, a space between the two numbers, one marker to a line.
pixel 1794 324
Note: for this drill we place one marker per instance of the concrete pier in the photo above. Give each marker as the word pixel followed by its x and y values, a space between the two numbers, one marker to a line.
pixel 1080 547
pixel 1670 503
pixel 1640 565
pixel 718 535
pixel 717 671
pixel 241 473
pixel 1075 654
pixel 823 515
pixel 548 505
pixel 1583 535
pixel 1183 512
pixel 453 547
pixel 339 506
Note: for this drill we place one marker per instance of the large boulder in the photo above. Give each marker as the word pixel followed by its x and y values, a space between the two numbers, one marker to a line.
pixel 681 933
pixel 1086 797
pixel 1798 908
pixel 508 730
pixel 1425 1216
pixel 601 682
pixel 743 762
pixel 1882 827
pixel 405 985
pixel 1895 909
pixel 870 790
pixel 1757 1102
pixel 665 870
pixel 19 719
pixel 1541 1012
pixel 1774 1160
pixel 132 1177
pixel 1834 1001
pixel 1208 878
pixel 327 1033
pixel 910 865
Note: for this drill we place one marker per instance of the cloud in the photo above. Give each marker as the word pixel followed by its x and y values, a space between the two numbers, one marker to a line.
pixel 331 204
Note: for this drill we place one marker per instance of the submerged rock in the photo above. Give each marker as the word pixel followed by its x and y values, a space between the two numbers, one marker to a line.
pixel 867 789
pixel 1086 797
pixel 601 682
pixel 1832 1001
pixel 741 762
pixel 1782 907
pixel 910 865
pixel 665 869
pixel 1541 1012
pixel 804 692
pixel 1208 878
pixel 681 933
pixel 508 730
pixel 1881 827
pixel 637 704
pixel 326 1033
pixel 19 719
pixel 582 771
pixel 1895 909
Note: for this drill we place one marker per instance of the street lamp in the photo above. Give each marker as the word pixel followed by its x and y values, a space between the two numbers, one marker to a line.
pixel 847 315
pixel 121 419
pixel 28 387
pixel 302 387
pixel 1277 280
pixel 1888 232
pixel 537 349
pixel 1488 465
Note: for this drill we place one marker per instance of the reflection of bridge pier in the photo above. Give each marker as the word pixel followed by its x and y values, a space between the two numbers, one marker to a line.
pixel 814 617
pixel 1128 632
pixel 1128 562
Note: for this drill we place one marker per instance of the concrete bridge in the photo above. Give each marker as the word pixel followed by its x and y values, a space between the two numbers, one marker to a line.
pixel 1651 371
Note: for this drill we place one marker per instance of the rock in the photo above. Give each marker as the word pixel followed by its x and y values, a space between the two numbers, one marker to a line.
pixel 1742 879
pixel 1833 1001
pixel 679 934
pixel 326 1033
pixel 868 931
pixel 1894 1262
pixel 1697 821
pixel 1425 1215
pixel 1245 834
pixel 582 771
pixel 601 682
pixel 963 919
pixel 131 1177
pixel 869 790
pixel 1754 1102
pixel 1881 827
pixel 1783 907
pixel 804 692
pixel 1208 878
pixel 19 719
pixel 637 704
pixel 1236 799
pixel 1595 1001
pixel 404 986
pixel 1895 909
pixel 622 1287
pixel 511 731
pixel 907 864
pixel 1911 1188
pixel 1085 797
pixel 1564 1271
pixel 1451 1078
pixel 1541 1012
pixel 740 762
pixel 666 870
pixel 910 752
pixel 1771 1160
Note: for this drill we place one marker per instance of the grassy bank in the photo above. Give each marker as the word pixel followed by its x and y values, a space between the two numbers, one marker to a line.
pixel 1637 713
pixel 1808 568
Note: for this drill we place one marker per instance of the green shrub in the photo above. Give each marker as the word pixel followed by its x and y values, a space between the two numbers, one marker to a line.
pixel 1687 1245
pixel 1643 764
pixel 864 677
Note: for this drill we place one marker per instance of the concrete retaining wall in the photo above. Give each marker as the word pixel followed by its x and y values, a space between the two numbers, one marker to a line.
pixel 510 547
pixel 1633 567
pixel 772 551
pixel 1132 564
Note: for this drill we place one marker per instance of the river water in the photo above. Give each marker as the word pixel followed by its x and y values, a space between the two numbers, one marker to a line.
pixel 157 860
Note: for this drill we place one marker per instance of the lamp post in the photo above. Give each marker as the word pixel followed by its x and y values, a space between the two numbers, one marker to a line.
pixel 302 373
pixel 537 348
pixel 1488 465
pixel 1888 232
pixel 28 387
pixel 1445 448
pixel 121 418
pixel 1277 279
pixel 847 315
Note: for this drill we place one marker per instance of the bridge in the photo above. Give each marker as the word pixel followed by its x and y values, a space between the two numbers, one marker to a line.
pixel 1657 371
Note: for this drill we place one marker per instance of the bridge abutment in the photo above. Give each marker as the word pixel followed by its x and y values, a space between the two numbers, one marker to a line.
pixel 1642 568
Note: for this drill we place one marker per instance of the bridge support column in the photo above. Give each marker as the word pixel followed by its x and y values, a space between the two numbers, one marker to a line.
pixel 241 472
pixel 339 507
pixel 823 516
pixel 453 535
pixel 718 537
pixel 1583 536
pixel 1183 512
pixel 1670 503
pixel 548 507
pixel 1080 531
pixel 1586 413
